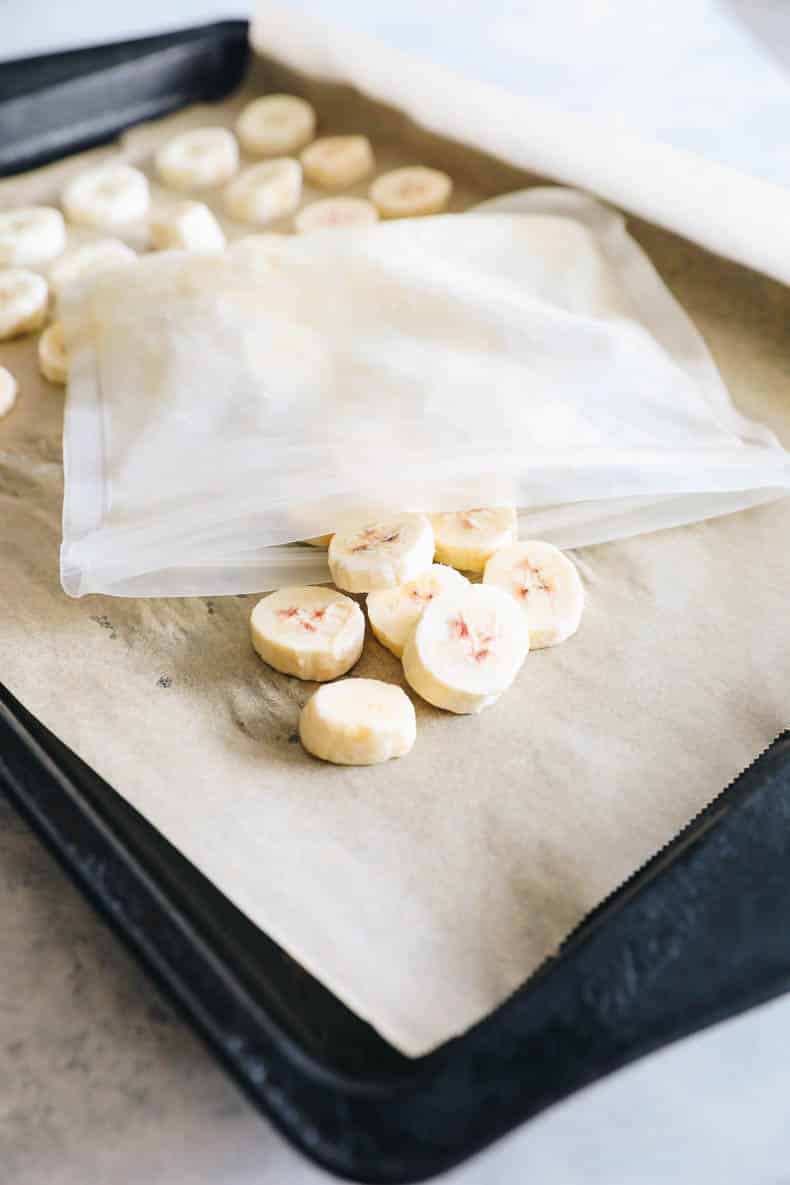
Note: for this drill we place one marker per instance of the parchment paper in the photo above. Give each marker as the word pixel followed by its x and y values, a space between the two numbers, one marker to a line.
pixel 424 891
pixel 673 175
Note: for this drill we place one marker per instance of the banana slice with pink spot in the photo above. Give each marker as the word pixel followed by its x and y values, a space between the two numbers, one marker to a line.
pixel 394 612
pixel 545 584
pixel 381 554
pixel 467 648
pixel 310 632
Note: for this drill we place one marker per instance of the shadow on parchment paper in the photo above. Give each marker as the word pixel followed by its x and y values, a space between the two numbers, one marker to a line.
pixel 262 704
pixel 768 22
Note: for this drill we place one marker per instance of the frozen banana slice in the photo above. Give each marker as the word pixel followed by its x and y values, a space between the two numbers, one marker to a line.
pixel 337 161
pixel 381 555
pixel 23 302
pixel 265 192
pixel 9 389
pixel 467 539
pixel 545 584
pixel 53 360
pixel 335 213
pixel 394 612
pixel 107 196
pixel 30 236
pixel 276 125
pixel 467 648
pixel 358 722
pixel 198 159
pixel 89 260
pixel 310 632
pixel 187 226
pixel 411 192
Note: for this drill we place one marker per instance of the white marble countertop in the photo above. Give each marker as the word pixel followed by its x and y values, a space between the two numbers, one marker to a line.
pixel 102 1083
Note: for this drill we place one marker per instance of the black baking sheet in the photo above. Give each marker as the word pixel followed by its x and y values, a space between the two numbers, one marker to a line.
pixel 703 931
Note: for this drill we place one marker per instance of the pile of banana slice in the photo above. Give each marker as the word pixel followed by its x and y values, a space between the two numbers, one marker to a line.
pixel 277 133
pixel 461 643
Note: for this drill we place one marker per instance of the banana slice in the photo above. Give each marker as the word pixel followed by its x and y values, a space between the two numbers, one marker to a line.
pixel 337 161
pixel 23 302
pixel 276 125
pixel 467 539
pixel 313 633
pixel 546 585
pixel 8 391
pixel 381 555
pixel 30 236
pixel 411 192
pixel 467 648
pixel 108 196
pixel 89 260
pixel 187 226
pixel 198 159
pixel 335 213
pixel 319 541
pixel 394 612
pixel 265 192
pixel 53 360
pixel 358 722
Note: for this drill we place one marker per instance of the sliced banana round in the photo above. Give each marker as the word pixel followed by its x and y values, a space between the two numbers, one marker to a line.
pixel 310 632
pixel 358 722
pixel 23 302
pixel 467 648
pixel 319 541
pixel 9 389
pixel 266 191
pixel 381 555
pixel 394 612
pixel 335 214
pixel 107 196
pixel 30 236
pixel 336 161
pixel 198 159
pixel 276 125
pixel 53 360
pixel 546 585
pixel 467 539
pixel 89 260
pixel 411 192
pixel 187 226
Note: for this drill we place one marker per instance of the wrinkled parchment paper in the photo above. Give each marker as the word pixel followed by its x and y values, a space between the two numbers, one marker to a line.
pixel 538 98
pixel 424 891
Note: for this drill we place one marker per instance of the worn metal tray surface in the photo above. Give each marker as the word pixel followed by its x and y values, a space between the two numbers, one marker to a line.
pixel 702 932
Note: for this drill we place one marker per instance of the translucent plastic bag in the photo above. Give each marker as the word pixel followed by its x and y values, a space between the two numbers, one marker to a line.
pixel 223 406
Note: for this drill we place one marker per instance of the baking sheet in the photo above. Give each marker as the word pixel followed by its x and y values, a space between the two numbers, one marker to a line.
pixel 424 891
